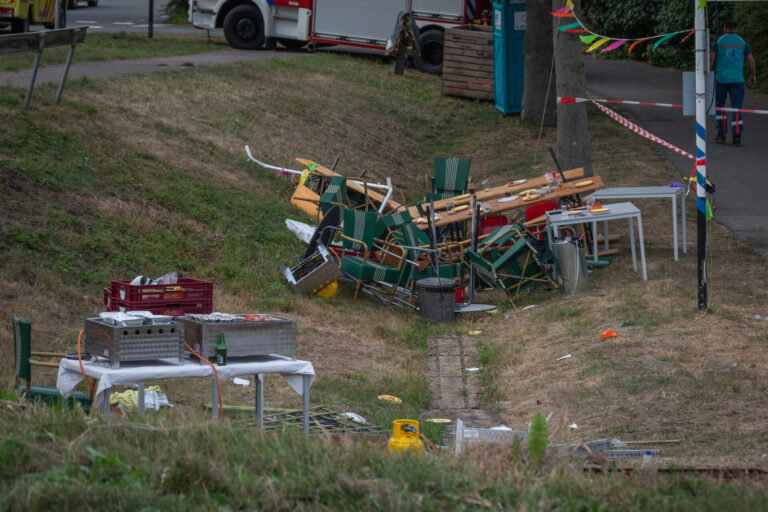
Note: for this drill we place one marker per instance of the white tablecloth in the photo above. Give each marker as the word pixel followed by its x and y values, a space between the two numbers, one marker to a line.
pixel 292 370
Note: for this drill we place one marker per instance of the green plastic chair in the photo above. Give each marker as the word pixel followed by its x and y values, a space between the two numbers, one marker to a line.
pixel 451 177
pixel 514 270
pixel 360 232
pixel 417 243
pixel 23 362
pixel 335 194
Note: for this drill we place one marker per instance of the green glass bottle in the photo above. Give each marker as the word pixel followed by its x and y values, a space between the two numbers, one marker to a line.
pixel 221 351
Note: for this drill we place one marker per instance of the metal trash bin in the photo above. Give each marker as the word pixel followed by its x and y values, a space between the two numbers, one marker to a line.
pixel 571 266
pixel 437 298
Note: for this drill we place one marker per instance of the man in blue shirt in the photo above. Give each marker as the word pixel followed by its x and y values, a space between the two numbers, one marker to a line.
pixel 727 58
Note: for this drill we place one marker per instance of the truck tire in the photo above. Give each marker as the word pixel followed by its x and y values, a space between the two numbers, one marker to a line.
pixel 93 3
pixel 430 59
pixel 292 44
pixel 19 25
pixel 244 27
pixel 72 4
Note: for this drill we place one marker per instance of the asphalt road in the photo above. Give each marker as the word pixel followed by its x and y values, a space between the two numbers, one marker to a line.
pixel 739 173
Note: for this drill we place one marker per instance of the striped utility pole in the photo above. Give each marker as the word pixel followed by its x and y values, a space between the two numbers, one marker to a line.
pixel 701 148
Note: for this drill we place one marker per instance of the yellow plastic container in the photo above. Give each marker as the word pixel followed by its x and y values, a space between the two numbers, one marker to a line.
pixel 405 437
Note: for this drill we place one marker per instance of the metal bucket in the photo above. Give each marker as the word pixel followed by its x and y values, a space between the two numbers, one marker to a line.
pixel 571 267
pixel 437 298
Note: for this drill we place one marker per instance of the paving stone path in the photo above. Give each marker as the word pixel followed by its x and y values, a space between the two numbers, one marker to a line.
pixel 457 393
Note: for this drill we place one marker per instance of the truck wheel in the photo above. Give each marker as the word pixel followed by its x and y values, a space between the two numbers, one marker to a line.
pixel 19 25
pixel 93 3
pixel 292 44
pixel 72 4
pixel 431 58
pixel 244 27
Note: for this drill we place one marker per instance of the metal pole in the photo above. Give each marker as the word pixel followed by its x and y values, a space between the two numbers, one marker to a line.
pixel 151 18
pixel 57 18
pixel 701 152
pixel 40 46
pixel 75 37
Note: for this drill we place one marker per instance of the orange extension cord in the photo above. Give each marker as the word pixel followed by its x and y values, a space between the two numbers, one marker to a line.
pixel 215 374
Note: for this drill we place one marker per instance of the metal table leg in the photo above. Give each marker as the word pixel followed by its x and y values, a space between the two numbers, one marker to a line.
pixel 141 398
pixel 215 399
pixel 632 243
pixel 594 241
pixel 642 245
pixel 259 378
pixel 682 208
pixel 107 394
pixel 305 395
pixel 674 224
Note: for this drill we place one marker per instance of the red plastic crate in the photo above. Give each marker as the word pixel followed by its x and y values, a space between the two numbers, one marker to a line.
pixel 186 296
pixel 164 308
pixel 184 289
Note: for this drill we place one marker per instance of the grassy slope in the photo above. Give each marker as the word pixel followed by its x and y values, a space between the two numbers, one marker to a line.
pixel 117 46
pixel 140 175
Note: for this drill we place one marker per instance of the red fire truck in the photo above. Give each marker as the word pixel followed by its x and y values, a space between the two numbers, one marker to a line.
pixel 252 24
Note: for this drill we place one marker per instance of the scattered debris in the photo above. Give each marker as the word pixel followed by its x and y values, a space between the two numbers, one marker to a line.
pixel 610 333
pixel 439 420
pixel 355 417
pixel 473 369
pixel 529 307
pixel 467 435
pixel 475 333
pixel 566 356
pixel 573 426
pixel 390 398
pixel 760 317
pixel 241 382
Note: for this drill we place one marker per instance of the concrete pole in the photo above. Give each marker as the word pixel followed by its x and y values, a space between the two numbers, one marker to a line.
pixel 701 151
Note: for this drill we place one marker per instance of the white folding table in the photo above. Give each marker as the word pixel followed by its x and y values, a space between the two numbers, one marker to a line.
pixel 557 218
pixel 299 375
pixel 651 192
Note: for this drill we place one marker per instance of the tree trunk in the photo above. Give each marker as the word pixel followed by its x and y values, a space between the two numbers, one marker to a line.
pixel 572 133
pixel 539 99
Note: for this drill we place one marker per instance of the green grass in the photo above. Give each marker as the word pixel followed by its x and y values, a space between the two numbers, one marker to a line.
pixel 118 46
pixel 66 461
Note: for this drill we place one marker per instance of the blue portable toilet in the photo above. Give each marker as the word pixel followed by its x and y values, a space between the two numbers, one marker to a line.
pixel 509 23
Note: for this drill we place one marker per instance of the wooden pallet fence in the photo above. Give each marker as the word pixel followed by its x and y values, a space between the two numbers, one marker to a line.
pixel 468 62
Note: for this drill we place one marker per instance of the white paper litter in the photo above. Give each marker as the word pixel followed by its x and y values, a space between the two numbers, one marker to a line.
pixel 573 426
pixel 529 307
pixel 355 417
pixel 473 369
pixel 566 356
pixel 760 317
pixel 302 231
pixel 241 382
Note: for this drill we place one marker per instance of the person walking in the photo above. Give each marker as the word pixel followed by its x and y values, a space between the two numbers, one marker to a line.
pixel 727 58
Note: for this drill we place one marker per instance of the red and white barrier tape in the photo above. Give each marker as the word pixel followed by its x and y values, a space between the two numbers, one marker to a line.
pixel 640 131
pixel 566 99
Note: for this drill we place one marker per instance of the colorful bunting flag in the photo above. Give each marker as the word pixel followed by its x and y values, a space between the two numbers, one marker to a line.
pixel 631 47
pixel 668 36
pixel 600 42
pixel 614 45
pixel 564 28
pixel 596 40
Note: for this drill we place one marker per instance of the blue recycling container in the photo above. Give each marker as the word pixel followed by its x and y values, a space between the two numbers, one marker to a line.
pixel 509 23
